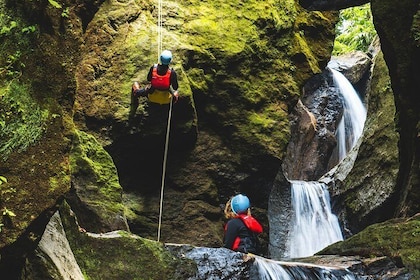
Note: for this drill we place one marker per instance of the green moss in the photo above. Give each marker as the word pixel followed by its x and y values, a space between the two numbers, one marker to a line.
pixel 61 178
pixel 198 80
pixel 22 121
pixel 301 46
pixel 398 238
pixel 415 29
pixel 94 165
pixel 122 255
pixel 58 181
pixel 212 30
pixel 262 121
pixel 378 153
pixel 269 128
pixel 88 156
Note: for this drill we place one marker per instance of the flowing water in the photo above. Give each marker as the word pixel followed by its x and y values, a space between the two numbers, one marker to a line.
pixel 278 270
pixel 351 125
pixel 314 226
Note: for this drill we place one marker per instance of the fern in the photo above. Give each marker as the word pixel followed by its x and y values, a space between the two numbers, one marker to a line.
pixel 21 119
pixel 55 4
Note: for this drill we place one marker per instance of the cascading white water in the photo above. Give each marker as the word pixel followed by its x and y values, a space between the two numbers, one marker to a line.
pixel 277 270
pixel 314 226
pixel 351 125
pixel 340 135
pixel 268 270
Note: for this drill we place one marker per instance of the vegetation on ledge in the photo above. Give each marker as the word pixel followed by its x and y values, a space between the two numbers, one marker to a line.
pixel 398 239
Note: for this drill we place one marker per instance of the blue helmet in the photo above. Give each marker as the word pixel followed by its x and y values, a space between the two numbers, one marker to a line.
pixel 240 204
pixel 166 57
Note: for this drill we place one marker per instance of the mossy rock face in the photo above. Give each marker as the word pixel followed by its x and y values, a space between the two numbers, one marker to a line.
pixel 97 194
pixel 240 66
pixel 240 71
pixel 243 62
pixel 122 255
pixel 400 45
pixel 37 175
pixel 369 192
pixel 43 47
pixel 397 239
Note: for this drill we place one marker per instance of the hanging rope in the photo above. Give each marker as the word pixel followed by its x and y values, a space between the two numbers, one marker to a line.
pixel 165 156
pixel 159 27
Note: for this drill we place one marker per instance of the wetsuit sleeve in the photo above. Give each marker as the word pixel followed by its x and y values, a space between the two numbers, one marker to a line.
pixel 174 80
pixel 231 232
pixel 149 75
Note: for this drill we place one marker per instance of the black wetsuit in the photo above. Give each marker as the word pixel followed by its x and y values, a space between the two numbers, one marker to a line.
pixel 241 235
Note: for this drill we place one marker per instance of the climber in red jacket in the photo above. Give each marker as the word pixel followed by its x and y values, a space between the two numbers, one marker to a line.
pixel 241 231
pixel 162 87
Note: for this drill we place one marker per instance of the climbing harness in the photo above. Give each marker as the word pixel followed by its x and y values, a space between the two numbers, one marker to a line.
pixel 165 155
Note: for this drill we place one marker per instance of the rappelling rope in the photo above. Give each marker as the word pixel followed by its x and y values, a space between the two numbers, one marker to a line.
pixel 165 155
pixel 159 29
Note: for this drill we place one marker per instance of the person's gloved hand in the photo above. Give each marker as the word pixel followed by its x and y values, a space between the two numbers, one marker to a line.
pixel 176 95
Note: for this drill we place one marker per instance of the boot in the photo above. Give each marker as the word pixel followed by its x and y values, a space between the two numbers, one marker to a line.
pixel 134 100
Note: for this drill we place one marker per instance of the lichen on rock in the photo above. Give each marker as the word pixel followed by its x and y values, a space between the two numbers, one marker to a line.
pixel 397 239
pixel 96 188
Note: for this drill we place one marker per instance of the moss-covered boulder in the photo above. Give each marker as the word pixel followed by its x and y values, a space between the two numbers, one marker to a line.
pixel 66 251
pixel 121 255
pixel 96 194
pixel 401 47
pixel 397 239
pixel 367 195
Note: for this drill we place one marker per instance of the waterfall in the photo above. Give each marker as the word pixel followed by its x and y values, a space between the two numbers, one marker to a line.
pixel 277 270
pixel 351 125
pixel 308 222
pixel 314 226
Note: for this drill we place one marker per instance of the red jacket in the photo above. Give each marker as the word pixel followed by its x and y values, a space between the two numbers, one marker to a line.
pixel 161 82
pixel 241 234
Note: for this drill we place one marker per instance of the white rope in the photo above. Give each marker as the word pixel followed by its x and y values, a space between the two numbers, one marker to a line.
pixel 159 51
pixel 159 27
pixel 165 156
